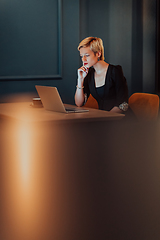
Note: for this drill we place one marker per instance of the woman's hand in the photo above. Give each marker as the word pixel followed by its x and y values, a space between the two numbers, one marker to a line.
pixel 79 95
pixel 82 73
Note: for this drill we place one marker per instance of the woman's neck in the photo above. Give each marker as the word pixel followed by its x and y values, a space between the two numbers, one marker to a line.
pixel 100 67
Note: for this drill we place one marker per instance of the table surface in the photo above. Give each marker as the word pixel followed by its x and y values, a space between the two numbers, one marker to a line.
pixel 26 112
pixel 54 177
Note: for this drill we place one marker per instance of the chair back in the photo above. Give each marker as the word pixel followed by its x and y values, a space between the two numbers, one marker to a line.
pixel 144 105
pixel 91 102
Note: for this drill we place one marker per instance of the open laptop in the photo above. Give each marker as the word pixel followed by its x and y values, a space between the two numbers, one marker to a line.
pixel 51 100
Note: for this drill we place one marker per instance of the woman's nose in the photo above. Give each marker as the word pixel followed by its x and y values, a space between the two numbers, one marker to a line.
pixel 83 58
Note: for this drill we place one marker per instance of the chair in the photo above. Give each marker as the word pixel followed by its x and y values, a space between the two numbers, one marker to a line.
pixel 91 102
pixel 144 105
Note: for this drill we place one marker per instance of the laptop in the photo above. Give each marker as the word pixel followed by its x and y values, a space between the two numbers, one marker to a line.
pixel 52 101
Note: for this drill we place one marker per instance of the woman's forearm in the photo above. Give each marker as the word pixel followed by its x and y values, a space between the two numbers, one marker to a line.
pixel 79 97
pixel 116 110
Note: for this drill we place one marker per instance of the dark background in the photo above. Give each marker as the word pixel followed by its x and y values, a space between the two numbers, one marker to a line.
pixel 39 39
pixel 107 187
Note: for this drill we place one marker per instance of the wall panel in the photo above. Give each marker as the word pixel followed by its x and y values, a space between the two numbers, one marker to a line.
pixel 30 39
pixel 127 27
pixel 128 30
pixel 61 73
pixel 149 45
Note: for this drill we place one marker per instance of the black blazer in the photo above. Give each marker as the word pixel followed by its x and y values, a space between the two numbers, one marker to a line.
pixel 115 88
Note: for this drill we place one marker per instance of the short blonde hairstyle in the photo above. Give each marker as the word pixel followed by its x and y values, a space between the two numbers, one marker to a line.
pixel 95 44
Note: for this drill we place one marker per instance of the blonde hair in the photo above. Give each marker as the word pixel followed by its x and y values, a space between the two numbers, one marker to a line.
pixel 95 44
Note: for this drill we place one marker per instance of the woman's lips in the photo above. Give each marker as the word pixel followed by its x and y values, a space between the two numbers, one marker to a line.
pixel 85 63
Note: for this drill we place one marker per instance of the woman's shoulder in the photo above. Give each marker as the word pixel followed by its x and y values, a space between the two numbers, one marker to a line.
pixel 115 69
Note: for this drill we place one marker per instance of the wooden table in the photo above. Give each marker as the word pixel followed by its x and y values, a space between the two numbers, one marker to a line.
pixel 25 112
pixel 77 176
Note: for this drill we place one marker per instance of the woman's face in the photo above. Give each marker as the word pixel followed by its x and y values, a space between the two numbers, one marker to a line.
pixel 88 57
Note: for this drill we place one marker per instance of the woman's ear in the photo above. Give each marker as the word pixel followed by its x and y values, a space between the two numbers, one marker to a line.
pixel 99 54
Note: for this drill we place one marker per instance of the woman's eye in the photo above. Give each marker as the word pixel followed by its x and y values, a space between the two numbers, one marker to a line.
pixel 84 56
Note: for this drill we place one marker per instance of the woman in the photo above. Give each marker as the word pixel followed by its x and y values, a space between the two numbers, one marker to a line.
pixel 104 81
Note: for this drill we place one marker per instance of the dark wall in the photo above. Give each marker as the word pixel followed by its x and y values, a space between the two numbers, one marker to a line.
pixel 128 29
pixel 38 43
pixel 63 75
